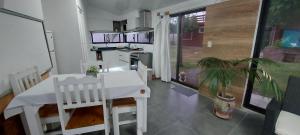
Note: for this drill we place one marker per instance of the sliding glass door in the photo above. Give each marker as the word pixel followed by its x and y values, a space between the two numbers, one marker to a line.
pixel 186 39
pixel 174 32
pixel 278 39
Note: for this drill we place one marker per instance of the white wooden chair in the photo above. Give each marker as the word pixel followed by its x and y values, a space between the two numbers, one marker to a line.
pixel 22 81
pixel 87 97
pixel 143 72
pixel 126 105
pixel 86 65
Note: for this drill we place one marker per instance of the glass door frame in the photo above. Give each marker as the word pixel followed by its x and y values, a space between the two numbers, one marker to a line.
pixel 259 37
pixel 179 46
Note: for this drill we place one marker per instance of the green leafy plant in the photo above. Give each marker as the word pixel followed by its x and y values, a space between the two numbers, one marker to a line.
pixel 278 43
pixel 219 74
pixel 92 69
pixel 190 24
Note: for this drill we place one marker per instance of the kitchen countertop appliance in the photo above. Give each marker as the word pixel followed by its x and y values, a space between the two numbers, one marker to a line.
pixel 144 57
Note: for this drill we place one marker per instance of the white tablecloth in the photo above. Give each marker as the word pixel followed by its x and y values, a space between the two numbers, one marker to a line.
pixel 117 85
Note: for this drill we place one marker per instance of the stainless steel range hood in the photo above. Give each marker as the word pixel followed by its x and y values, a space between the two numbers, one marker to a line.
pixel 143 22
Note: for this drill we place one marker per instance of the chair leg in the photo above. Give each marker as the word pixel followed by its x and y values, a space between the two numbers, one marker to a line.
pixel 24 122
pixel 106 131
pixel 110 106
pixel 145 115
pixel 116 121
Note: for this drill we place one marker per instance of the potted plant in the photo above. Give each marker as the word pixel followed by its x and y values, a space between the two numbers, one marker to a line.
pixel 218 75
pixel 92 71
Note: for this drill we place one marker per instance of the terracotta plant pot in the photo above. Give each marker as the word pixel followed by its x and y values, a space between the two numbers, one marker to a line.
pixel 223 106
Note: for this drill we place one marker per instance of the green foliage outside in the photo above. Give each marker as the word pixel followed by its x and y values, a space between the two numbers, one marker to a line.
pixel 282 12
pixel 281 73
pixel 190 24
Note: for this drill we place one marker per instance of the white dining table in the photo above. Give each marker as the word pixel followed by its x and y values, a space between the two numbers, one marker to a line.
pixel 117 85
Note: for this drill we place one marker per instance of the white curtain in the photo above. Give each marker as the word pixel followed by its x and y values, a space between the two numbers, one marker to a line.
pixel 162 65
pixel 156 50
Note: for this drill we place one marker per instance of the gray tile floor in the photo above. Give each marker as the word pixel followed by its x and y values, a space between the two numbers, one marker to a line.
pixel 172 113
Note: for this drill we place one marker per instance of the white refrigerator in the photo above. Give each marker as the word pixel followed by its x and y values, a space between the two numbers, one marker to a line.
pixel 50 40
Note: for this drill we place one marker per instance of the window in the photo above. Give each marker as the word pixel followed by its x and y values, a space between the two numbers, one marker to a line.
pixel 145 37
pixel 131 37
pixel 114 38
pixel 278 39
pixel 102 37
pixel 187 46
pixel 140 37
pixel 98 37
pixel 201 29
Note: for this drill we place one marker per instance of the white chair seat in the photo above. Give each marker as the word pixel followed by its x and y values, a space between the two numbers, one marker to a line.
pixel 287 124
pixel 86 116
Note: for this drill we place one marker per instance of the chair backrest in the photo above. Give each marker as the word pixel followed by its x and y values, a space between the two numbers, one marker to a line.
pixel 98 64
pixel 143 72
pixel 74 93
pixel 23 80
pixel 291 101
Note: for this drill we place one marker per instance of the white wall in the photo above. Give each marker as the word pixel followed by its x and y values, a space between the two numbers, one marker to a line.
pixel 84 36
pixel 61 18
pixel 83 5
pixel 131 18
pixel 98 19
pixel 31 8
pixel 1 3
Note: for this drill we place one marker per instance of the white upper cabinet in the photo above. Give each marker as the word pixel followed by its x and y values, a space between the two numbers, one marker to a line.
pixel 31 8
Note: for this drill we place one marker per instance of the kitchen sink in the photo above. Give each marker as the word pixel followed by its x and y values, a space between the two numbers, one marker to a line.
pixel 106 48
pixel 130 49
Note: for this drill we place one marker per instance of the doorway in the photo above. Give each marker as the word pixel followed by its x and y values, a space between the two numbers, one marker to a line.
pixel 186 41
pixel 278 39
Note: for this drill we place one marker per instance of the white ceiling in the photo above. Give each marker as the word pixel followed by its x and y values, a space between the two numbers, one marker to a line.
pixel 119 7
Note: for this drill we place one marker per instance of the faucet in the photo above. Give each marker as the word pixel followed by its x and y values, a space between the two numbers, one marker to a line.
pixel 107 39
pixel 129 44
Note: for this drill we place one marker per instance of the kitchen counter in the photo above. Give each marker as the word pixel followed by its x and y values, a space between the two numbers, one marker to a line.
pixel 117 56
pixel 123 49
pixel 104 49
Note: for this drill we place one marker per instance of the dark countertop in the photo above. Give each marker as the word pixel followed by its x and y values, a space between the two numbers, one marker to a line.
pixel 125 49
pixel 105 49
